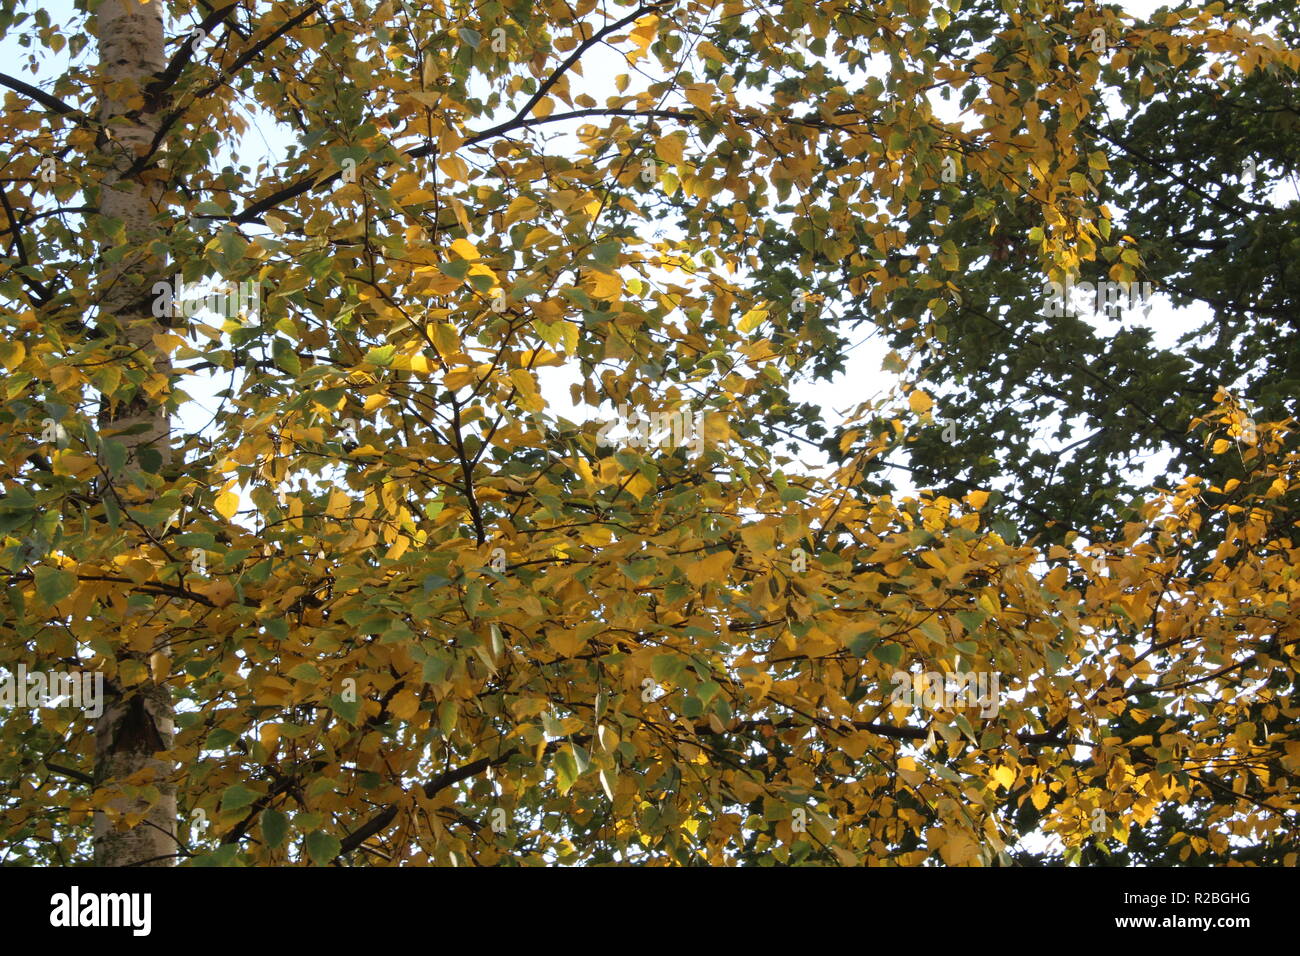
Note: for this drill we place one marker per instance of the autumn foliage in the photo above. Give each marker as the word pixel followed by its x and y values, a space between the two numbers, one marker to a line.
pixel 408 612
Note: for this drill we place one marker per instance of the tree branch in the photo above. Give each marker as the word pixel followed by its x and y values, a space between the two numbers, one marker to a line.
pixel 47 100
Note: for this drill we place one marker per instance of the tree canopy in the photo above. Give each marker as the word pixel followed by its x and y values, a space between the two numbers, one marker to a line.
pixel 287 457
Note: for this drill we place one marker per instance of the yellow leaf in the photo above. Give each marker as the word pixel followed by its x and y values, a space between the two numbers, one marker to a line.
pixel 160 666
pixel 566 643
pixel 404 705
pixel 669 148
pixel 1055 581
pixel 527 386
pixel 605 286
pixel 700 95
pixel 12 355
pixel 445 339
pixel 752 319
pixel 269 734
pixel 570 334
pixel 643 34
pixel 977 499
pixel 920 402
pixel 712 52
pixel 339 505
pixel 760 539
pixel 536 235
pixel 454 167
pixel 219 593
pixel 639 485
pixel 227 504
pixel 959 848
pixel 745 790
pixel 458 378
pixel 596 537
pixel 608 738
pixel 584 471
pixel 521 207
pixel 465 249
pixel 164 343
pixel 712 569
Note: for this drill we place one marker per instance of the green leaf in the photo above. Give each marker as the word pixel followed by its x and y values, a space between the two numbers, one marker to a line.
pixel 112 511
pixel 197 539
pixel 198 667
pixel 223 855
pixel 236 797
pixel 667 667
pixel 435 669
pixel 275 826
pixel 114 455
pixel 348 710
pixel 965 727
pixel 322 847
pixel 286 357
pixel 150 459
pixel 605 255
pixel 381 355
pixel 54 584
pixel 581 759
pixel 219 739
pixel 890 654
pixel 931 629
pixel 708 690
pixel 447 714
pixel 566 770
pixel 456 269
pixel 232 246
pixel 862 644
pixel 305 672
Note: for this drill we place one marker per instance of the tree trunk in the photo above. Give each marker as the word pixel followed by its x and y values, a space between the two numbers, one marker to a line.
pixel 136 724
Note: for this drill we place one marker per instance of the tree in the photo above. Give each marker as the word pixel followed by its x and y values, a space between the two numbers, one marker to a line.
pixel 1071 421
pixel 400 610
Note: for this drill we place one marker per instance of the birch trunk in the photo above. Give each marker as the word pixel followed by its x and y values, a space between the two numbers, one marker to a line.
pixel 136 724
